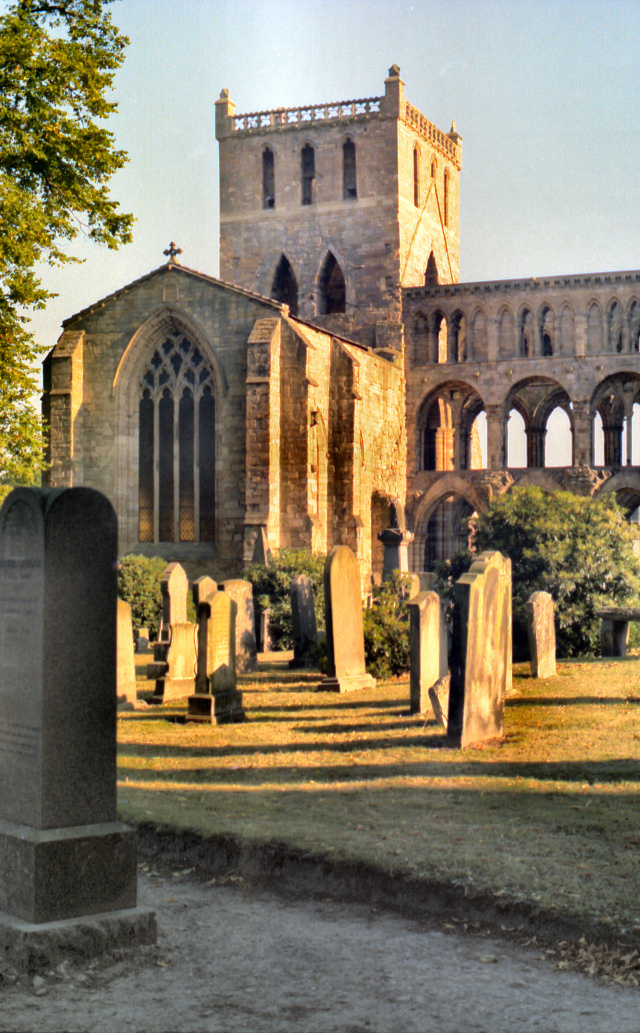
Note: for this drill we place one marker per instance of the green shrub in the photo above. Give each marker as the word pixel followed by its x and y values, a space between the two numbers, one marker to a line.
pixel 139 584
pixel 386 628
pixel 579 549
pixel 271 590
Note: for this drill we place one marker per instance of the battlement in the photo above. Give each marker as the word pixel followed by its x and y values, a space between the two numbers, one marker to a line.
pixel 391 104
pixel 306 114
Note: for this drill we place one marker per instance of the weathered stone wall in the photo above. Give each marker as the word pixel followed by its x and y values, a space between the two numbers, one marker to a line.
pixel 570 342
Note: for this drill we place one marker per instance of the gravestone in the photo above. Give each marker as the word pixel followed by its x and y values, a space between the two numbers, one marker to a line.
pixel 264 637
pixel 343 614
pixel 542 635
pixel 216 699
pixel 126 667
pixel 303 619
pixel 480 650
pixel 142 641
pixel 428 652
pixel 246 649
pixel 175 651
pixel 396 540
pixel 64 856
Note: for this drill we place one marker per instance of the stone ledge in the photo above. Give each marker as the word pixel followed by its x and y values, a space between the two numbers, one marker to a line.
pixel 31 947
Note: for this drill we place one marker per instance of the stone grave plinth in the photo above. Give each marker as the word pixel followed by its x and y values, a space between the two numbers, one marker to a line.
pixel 480 650
pixel 614 629
pixel 64 856
pixel 343 614
pixel 216 699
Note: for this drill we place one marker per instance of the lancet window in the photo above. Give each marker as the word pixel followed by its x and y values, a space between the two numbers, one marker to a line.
pixel 176 445
pixel 268 179
pixel 349 176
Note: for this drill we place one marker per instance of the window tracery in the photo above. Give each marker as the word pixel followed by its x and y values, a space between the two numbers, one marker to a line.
pixel 176 444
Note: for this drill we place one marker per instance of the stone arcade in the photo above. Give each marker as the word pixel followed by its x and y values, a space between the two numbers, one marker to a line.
pixel 337 364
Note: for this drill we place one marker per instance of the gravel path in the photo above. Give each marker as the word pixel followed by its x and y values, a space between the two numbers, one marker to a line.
pixel 232 960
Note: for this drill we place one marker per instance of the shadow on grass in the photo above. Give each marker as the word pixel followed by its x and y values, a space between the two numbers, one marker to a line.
pixel 569 701
pixel 584 772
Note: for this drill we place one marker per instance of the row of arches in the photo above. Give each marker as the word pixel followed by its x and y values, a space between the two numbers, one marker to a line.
pixel 331 290
pixel 308 174
pixel 442 529
pixel 537 425
pixel 439 338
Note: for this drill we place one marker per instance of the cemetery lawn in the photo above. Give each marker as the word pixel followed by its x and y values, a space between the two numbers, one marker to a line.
pixel 549 816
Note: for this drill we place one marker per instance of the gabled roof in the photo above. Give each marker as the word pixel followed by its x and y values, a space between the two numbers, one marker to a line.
pixel 169 267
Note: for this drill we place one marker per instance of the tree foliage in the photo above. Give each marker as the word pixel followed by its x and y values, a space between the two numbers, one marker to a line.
pixel 57 63
pixel 139 585
pixel 271 590
pixel 386 628
pixel 578 549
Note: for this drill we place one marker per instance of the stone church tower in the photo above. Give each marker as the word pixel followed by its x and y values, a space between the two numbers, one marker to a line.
pixel 333 208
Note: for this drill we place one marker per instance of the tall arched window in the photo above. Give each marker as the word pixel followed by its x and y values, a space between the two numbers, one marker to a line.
pixel 285 288
pixel 349 177
pixel 416 177
pixel 332 287
pixel 446 197
pixel 176 445
pixel 268 179
pixel 308 172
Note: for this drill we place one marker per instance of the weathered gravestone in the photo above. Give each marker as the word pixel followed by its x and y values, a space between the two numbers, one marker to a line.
pixel 428 652
pixel 264 637
pixel 64 856
pixel 343 615
pixel 303 619
pixel 542 635
pixel 246 649
pixel 175 651
pixel 216 698
pixel 142 641
pixel 126 668
pixel 480 650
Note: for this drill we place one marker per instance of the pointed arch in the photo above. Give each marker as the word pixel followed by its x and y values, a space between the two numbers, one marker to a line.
pixel 332 290
pixel 168 387
pixel 594 329
pixel 285 286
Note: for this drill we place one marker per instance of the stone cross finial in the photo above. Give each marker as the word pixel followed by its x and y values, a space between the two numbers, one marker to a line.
pixel 172 251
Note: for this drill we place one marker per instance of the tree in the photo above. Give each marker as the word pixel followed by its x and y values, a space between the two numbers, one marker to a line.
pixel 578 549
pixel 271 590
pixel 57 63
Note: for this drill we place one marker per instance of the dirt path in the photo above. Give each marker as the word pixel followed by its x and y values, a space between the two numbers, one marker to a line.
pixel 232 960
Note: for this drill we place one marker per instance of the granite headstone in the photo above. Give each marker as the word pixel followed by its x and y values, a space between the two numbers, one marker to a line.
pixel 343 615
pixel 480 650
pixel 542 634
pixel 216 698
pixel 64 856
pixel 126 671
pixel 303 620
pixel 428 649
pixel 246 648
pixel 175 651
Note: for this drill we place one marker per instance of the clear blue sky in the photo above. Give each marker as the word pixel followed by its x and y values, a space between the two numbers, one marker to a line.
pixel 545 94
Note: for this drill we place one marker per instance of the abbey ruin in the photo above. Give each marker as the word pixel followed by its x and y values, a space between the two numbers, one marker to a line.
pixel 337 363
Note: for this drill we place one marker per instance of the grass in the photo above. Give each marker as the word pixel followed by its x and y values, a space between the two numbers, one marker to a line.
pixel 548 815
